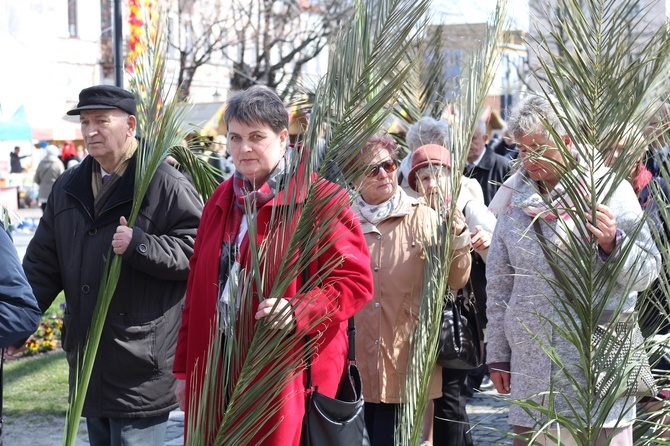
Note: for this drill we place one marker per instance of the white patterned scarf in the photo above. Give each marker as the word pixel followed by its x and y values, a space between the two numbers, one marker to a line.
pixel 374 213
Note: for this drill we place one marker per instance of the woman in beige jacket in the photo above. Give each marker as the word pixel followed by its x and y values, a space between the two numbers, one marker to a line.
pixel 396 228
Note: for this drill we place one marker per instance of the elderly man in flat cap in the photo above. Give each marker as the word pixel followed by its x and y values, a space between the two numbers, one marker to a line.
pixel 131 391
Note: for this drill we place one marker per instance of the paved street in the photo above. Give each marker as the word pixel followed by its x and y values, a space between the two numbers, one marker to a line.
pixel 488 414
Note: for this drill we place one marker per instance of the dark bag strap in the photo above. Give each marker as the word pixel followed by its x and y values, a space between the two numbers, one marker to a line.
pixel 351 357
pixel 351 334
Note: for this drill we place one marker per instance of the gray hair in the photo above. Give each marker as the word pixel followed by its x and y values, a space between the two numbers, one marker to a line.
pixel 530 116
pixel 257 105
pixel 428 130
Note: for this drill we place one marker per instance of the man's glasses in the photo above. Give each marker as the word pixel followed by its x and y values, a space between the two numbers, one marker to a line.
pixel 388 165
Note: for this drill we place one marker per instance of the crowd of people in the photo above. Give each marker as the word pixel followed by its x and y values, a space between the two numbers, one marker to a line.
pixel 53 158
pixel 187 267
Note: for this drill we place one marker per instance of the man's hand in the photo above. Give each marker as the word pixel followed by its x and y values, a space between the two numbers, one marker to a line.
pixel 501 381
pixel 122 237
pixel 283 314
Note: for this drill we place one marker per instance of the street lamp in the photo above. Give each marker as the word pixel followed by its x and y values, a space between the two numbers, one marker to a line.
pixel 118 44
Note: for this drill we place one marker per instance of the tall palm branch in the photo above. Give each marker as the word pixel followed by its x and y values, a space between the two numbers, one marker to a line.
pixel 160 120
pixel 474 86
pixel 602 74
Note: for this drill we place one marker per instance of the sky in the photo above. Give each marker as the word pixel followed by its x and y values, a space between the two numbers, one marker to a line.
pixel 478 11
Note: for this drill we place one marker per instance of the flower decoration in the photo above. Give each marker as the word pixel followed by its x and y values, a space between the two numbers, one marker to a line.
pixel 140 11
pixel 48 335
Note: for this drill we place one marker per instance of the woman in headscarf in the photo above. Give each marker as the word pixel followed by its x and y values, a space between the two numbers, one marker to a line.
pixel 430 176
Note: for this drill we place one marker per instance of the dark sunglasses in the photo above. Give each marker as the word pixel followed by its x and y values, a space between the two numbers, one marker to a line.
pixel 388 165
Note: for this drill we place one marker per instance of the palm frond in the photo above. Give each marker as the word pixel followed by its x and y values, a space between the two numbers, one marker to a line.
pixel 203 174
pixel 475 84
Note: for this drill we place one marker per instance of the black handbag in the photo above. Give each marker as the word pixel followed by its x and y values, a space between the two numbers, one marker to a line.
pixel 336 421
pixel 461 344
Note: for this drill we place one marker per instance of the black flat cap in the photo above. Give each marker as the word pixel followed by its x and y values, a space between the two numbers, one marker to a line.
pixel 103 97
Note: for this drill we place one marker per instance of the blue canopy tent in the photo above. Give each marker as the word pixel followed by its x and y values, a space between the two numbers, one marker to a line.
pixel 16 128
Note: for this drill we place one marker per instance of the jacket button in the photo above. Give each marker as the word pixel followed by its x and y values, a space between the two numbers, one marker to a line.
pixel 85 289
pixel 379 237
pixel 93 231
pixel 142 248
pixel 376 341
pixel 376 304
pixel 376 268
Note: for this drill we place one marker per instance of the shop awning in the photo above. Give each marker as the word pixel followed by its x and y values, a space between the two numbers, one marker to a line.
pixel 16 128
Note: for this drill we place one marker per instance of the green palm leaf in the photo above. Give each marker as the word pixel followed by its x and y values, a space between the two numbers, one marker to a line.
pixel 475 84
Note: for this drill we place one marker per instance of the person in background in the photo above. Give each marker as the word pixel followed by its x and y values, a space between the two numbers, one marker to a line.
pixel 425 131
pixel 490 170
pixel 19 314
pixel 15 160
pixel 524 304
pixel 48 170
pixel 131 391
pixel 431 176
pixel 81 152
pixel 656 132
pixel 69 155
pixel 397 228
pixel 266 177
pixel 484 165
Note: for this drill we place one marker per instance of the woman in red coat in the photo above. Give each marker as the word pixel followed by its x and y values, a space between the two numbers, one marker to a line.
pixel 267 183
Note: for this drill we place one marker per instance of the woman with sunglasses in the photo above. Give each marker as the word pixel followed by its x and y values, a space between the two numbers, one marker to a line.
pixel 396 228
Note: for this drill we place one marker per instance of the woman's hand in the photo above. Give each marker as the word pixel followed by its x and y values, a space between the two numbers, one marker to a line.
pixel 481 239
pixel 604 228
pixel 283 313
pixel 180 393
pixel 122 237
pixel 501 381
pixel 458 222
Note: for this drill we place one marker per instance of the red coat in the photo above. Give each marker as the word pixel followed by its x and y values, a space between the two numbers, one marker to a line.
pixel 348 289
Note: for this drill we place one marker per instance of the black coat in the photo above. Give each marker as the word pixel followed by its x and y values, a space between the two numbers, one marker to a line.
pixel 491 172
pixel 132 375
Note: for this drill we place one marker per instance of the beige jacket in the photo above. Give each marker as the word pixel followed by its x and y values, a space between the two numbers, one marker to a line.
pixel 384 325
